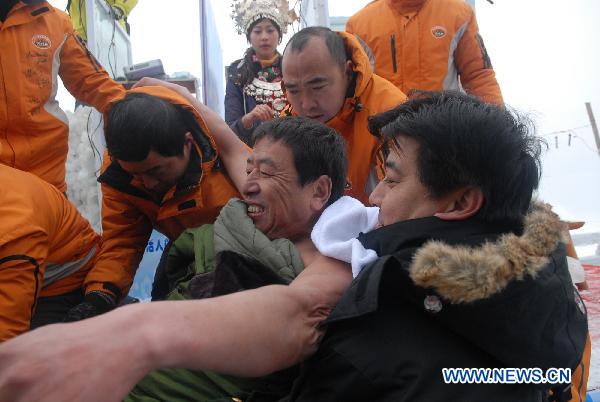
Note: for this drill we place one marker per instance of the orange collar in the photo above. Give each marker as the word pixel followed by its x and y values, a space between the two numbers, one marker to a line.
pixel 405 6
pixel 269 62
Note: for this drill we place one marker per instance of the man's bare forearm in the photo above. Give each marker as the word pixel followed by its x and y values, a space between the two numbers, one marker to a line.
pixel 250 333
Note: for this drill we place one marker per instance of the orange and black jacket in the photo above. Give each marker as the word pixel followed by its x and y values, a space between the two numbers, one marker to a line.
pixel 46 247
pixel 129 212
pixel 368 95
pixel 38 46
pixel 427 44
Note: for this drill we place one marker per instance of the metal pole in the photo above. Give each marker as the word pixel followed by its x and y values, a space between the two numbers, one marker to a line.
pixel 588 106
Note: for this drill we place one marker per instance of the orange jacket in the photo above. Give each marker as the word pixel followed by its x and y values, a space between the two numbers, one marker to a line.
pixel 46 247
pixel 427 44
pixel 372 95
pixel 129 213
pixel 38 45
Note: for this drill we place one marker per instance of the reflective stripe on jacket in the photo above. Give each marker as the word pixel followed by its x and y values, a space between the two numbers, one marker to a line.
pixel 37 46
pixel 428 45
pixel 46 247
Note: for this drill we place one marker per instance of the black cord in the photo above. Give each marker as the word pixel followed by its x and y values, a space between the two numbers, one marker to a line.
pixel 95 150
pixel 113 45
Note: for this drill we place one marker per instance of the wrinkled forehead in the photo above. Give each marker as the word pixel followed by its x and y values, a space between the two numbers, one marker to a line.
pixel 274 153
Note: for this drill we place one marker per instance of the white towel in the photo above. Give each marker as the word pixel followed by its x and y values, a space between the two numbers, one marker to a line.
pixel 335 234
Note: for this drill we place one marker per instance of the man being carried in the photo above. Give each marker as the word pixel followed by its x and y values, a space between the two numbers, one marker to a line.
pixel 298 167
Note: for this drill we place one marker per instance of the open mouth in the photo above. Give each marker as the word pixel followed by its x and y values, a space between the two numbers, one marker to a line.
pixel 255 211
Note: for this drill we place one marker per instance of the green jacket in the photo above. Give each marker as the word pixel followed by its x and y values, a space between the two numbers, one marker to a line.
pixel 213 260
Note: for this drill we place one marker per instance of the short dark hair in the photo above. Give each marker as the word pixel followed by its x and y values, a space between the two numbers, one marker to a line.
pixel 317 149
pixel 333 41
pixel 141 122
pixel 464 141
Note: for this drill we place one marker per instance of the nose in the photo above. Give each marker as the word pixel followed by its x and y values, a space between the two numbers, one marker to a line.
pixel 308 103
pixel 264 36
pixel 377 195
pixel 251 186
pixel 149 182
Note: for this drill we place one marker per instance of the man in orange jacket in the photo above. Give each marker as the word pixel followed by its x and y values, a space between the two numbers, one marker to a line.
pixel 327 77
pixel 38 45
pixel 428 45
pixel 165 173
pixel 46 252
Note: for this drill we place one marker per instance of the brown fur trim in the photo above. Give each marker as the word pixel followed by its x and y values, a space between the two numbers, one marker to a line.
pixel 465 274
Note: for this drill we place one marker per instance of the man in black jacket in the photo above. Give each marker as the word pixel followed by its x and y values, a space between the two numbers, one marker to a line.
pixel 471 274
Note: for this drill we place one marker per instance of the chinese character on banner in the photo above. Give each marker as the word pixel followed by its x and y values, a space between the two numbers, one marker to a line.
pixel 150 247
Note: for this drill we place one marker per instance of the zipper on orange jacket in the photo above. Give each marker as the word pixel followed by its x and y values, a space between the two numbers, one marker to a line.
pixel 393 43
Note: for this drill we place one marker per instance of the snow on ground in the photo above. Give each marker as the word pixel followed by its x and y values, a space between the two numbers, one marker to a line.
pixel 82 187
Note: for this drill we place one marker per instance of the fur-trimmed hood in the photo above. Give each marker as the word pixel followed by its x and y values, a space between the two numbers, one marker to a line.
pixel 465 274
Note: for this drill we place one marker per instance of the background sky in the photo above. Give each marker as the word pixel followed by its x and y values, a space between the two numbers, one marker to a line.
pixel 546 54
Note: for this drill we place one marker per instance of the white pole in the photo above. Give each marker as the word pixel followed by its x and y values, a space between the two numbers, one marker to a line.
pixel 315 12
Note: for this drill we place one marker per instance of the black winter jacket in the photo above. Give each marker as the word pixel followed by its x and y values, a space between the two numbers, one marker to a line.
pixel 450 295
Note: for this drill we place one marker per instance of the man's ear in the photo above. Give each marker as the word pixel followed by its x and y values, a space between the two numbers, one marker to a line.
pixel 321 192
pixel 462 204
pixel 349 70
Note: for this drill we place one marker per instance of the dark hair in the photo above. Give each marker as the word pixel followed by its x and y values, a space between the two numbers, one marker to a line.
pixel 141 122
pixel 248 69
pixel 317 149
pixel 333 41
pixel 466 142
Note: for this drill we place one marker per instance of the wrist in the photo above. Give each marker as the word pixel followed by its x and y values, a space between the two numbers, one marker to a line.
pixel 143 339
pixel 247 121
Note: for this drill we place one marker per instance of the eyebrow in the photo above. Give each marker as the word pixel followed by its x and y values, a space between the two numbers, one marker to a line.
pixel 261 161
pixel 316 80
pixel 392 166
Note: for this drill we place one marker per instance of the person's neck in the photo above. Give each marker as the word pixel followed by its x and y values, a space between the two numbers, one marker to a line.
pixel 268 62
pixel 306 248
pixel 406 6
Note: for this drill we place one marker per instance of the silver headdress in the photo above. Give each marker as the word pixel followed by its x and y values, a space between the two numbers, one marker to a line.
pixel 246 12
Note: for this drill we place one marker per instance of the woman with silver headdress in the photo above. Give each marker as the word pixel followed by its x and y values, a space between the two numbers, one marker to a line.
pixel 254 92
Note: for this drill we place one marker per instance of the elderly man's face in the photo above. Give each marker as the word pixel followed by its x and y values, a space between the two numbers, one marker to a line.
pixel 277 204
pixel 401 195
pixel 315 84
